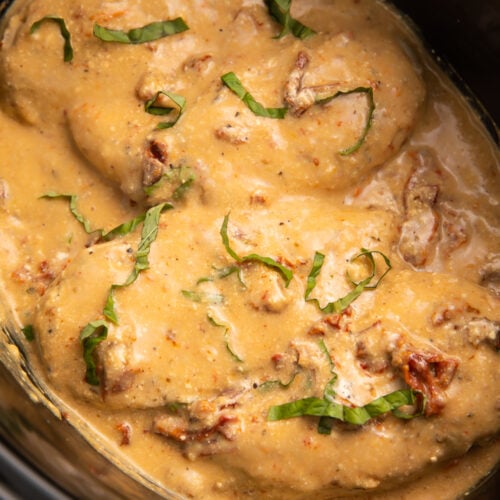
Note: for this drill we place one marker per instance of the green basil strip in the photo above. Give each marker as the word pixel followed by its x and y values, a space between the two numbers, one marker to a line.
pixel 183 187
pixel 341 304
pixel 317 264
pixel 280 10
pixel 229 349
pixel 68 49
pixel 120 230
pixel 269 384
pixel 318 407
pixel 369 254
pixel 123 229
pixel 29 332
pixel 153 109
pixel 231 81
pixel 148 33
pixel 183 174
pixel 221 273
pixel 72 198
pixel 371 108
pixel 148 236
pixel 267 261
pixel 175 407
pixel 312 406
pixel 325 425
pixel 109 307
pixel 91 336
pixel 208 298
pixel 97 331
pixel 329 392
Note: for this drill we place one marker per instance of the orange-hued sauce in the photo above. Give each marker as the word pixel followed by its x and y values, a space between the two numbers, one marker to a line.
pixel 219 326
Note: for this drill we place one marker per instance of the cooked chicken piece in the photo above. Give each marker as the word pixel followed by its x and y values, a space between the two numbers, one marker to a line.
pixel 110 127
pixel 204 427
pixel 483 329
pixel 234 134
pixel 460 317
pixel 155 359
pixel 189 327
pixel 419 231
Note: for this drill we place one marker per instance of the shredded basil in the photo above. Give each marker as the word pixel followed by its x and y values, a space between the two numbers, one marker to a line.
pixel 153 108
pixel 229 349
pixel 91 336
pixel 148 235
pixel 183 175
pixel 280 10
pixel 97 331
pixel 286 273
pixel 209 298
pixel 341 304
pixel 320 407
pixel 329 392
pixel 120 230
pixel 221 273
pixel 68 49
pixel 269 384
pixel 72 198
pixel 329 410
pixel 148 33
pixel 368 91
pixel 182 188
pixel 175 407
pixel 29 332
pixel 314 273
pixel 369 255
pixel 233 83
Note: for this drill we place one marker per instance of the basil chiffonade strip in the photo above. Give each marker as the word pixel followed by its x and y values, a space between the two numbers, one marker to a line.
pixel 368 91
pixel 341 304
pixel 96 332
pixel 267 261
pixel 153 108
pixel 232 82
pixel 148 33
pixel 68 49
pixel 329 410
pixel 120 230
pixel 280 10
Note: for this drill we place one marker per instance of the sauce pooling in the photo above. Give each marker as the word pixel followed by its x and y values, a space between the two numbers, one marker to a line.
pixel 305 263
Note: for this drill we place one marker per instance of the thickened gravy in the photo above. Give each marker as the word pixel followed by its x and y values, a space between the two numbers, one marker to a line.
pixel 301 296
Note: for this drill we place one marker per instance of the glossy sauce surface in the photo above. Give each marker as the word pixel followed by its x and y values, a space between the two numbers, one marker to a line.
pixel 207 340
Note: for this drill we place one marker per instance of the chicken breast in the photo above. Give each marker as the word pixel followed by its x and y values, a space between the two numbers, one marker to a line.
pixel 362 93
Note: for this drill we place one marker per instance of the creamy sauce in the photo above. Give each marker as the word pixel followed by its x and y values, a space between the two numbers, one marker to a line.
pixel 198 356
